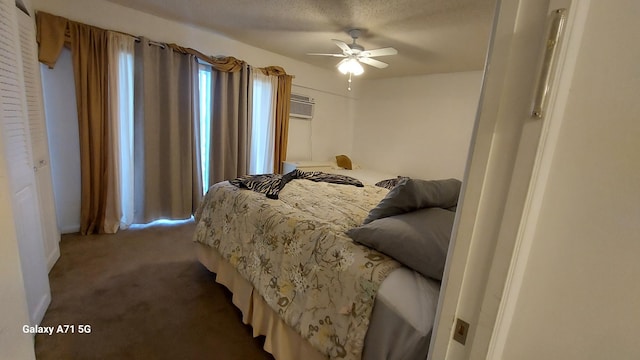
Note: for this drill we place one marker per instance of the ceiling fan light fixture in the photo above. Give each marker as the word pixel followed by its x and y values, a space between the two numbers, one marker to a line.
pixel 351 66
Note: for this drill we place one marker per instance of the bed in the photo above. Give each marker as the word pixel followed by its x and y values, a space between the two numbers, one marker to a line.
pixel 301 280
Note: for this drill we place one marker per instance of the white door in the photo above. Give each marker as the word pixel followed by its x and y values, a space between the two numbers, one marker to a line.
pixel 15 131
pixel 501 161
pixel 38 134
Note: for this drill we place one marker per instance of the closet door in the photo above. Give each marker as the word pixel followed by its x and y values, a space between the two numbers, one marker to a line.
pixel 24 196
pixel 38 134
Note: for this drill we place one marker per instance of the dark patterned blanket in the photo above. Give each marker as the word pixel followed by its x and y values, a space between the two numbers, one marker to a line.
pixel 272 184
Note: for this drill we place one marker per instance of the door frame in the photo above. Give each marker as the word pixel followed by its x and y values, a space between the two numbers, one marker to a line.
pixel 567 58
pixel 475 254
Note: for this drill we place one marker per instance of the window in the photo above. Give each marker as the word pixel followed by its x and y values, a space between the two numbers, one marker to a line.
pixel 204 85
pixel 125 134
pixel 262 124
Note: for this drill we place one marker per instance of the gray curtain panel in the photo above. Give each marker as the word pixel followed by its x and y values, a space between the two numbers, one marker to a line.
pixel 231 99
pixel 166 180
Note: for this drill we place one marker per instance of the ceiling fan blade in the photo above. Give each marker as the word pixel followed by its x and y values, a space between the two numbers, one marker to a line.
pixel 379 52
pixel 373 62
pixel 342 45
pixel 322 54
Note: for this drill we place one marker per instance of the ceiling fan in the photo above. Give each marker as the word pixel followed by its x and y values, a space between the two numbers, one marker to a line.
pixel 354 54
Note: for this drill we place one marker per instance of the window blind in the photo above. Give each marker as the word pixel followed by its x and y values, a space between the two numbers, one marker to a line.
pixel 33 88
pixel 14 129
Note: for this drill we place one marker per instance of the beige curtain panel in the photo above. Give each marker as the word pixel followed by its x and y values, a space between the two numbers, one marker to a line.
pixel 90 67
pixel 165 181
pixel 282 114
pixel 231 99
pixel 282 121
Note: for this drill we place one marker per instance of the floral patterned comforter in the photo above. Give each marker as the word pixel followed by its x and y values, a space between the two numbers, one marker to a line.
pixel 295 253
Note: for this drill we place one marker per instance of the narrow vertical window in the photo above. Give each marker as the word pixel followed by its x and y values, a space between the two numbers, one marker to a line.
pixel 125 114
pixel 205 122
pixel 262 124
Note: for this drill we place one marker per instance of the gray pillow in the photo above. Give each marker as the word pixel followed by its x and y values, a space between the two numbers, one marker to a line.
pixel 390 183
pixel 418 239
pixel 414 194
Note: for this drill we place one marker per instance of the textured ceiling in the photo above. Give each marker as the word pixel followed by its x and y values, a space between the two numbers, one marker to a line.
pixel 431 36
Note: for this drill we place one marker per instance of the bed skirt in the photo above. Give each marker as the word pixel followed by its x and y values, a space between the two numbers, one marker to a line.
pixel 280 340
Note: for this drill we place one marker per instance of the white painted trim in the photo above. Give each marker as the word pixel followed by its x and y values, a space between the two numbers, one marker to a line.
pixel 41 309
pixel 53 257
pixel 474 183
pixel 548 140
pixel 70 229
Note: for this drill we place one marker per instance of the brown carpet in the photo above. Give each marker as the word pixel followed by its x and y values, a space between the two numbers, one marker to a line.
pixel 145 296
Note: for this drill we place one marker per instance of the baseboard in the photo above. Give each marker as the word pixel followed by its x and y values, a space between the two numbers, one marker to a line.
pixel 53 257
pixel 41 309
pixel 70 229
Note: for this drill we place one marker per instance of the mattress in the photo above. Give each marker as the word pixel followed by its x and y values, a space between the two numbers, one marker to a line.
pixel 403 316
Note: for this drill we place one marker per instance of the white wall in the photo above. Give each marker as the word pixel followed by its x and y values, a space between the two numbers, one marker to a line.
pixel 417 126
pixel 64 145
pixel 329 133
pixel 579 298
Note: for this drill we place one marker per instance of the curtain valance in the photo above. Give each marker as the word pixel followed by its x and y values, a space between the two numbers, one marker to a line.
pixel 225 64
pixel 273 70
pixel 53 33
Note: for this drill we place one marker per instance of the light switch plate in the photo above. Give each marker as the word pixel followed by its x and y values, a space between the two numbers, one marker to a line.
pixel 461 330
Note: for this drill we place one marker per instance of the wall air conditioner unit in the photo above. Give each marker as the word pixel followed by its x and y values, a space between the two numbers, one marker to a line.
pixel 301 106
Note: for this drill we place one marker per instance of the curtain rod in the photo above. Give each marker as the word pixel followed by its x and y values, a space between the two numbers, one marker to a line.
pixel 163 45
pixel 137 39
